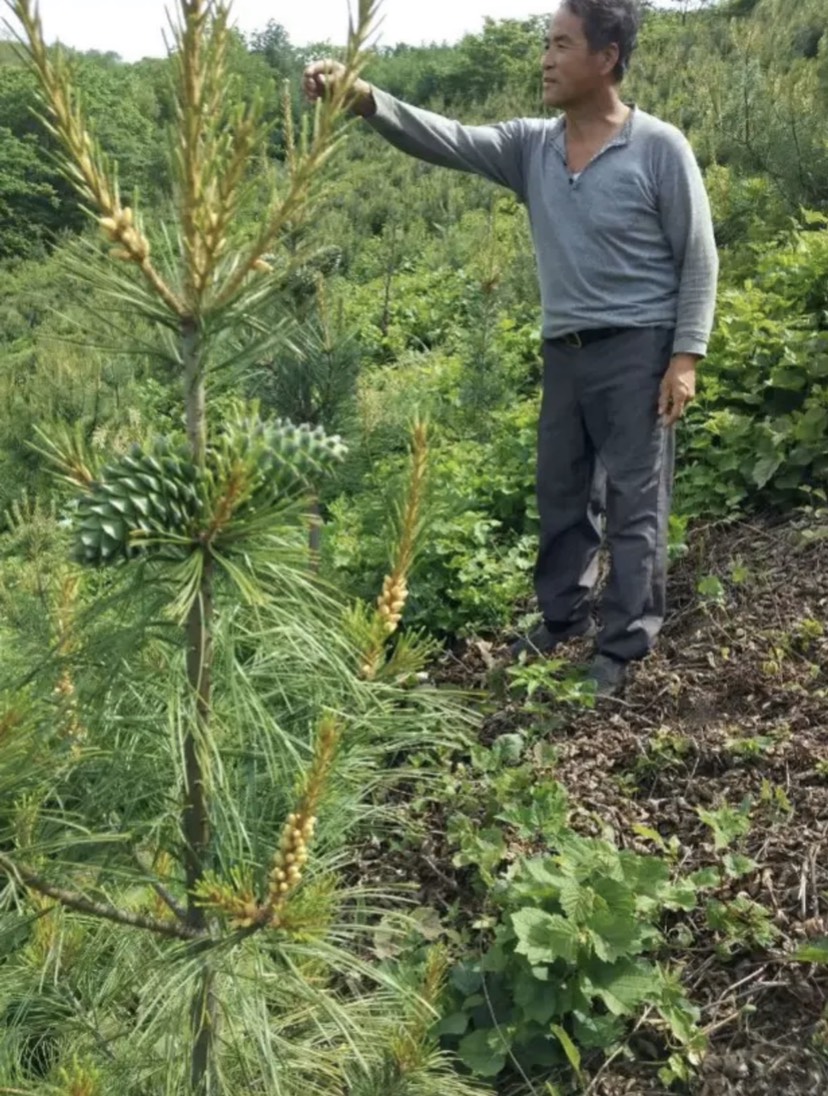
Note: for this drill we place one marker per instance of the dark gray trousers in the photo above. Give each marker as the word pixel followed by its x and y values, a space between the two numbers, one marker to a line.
pixel 601 443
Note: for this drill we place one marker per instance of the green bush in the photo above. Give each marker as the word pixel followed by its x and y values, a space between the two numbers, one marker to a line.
pixel 758 434
pixel 568 967
pixel 569 945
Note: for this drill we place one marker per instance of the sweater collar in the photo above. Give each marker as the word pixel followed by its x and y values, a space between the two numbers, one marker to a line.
pixel 622 137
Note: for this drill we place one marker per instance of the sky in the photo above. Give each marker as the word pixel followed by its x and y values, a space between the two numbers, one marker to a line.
pixel 133 28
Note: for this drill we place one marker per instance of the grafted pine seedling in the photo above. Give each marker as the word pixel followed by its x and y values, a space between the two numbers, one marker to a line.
pixel 201 517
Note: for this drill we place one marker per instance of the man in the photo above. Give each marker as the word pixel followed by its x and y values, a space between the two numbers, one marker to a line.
pixel 628 267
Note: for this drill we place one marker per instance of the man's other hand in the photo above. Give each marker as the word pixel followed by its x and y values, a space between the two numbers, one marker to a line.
pixel 322 75
pixel 678 388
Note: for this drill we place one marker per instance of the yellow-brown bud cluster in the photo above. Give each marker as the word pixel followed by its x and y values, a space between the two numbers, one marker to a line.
pixel 290 860
pixel 298 831
pixel 247 913
pixel 240 906
pixel 120 228
pixel 368 669
pixel 391 602
pixel 65 692
pixel 65 688
pixel 207 238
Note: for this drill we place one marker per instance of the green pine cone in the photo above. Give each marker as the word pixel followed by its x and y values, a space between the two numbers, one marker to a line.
pixel 140 496
pixel 288 459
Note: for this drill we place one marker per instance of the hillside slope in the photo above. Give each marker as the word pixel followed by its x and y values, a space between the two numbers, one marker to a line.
pixel 731 711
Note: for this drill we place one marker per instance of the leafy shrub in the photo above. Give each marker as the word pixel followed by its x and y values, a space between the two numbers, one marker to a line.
pixel 570 948
pixel 759 433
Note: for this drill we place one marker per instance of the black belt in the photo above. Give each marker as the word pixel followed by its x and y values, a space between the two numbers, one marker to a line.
pixel 577 339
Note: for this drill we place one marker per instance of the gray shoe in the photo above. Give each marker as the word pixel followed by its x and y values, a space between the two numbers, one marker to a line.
pixel 543 640
pixel 608 674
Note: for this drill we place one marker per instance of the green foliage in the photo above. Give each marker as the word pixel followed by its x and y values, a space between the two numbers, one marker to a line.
pixel 501 796
pixel 502 58
pixel 28 197
pixel 568 946
pixel 741 925
pixel 758 433
pixel 553 680
pixel 161 783
pixel 568 966
pixel 727 823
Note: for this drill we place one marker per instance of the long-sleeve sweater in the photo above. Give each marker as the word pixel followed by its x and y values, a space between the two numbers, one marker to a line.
pixel 626 243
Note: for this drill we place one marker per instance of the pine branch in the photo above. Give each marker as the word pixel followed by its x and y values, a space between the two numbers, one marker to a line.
pixel 166 896
pixel 169 901
pixel 304 166
pixel 391 602
pixel 85 166
pixel 81 904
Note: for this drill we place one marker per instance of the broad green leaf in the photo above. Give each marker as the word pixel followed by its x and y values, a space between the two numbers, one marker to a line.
pixel 455 1024
pixel 496 960
pixel 577 900
pixel 705 878
pixel 545 873
pixel 614 926
pixel 484 1052
pixel 622 986
pixel 645 875
pixel 619 898
pixel 765 468
pixel 466 979
pixel 538 1000
pixel 680 896
pixel 727 823
pixel 738 866
pixel 683 1019
pixel 508 748
pixel 592 1030
pixel 613 938
pixel 581 857
pixel 544 937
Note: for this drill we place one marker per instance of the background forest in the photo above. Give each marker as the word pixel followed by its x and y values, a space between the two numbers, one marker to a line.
pixel 423 952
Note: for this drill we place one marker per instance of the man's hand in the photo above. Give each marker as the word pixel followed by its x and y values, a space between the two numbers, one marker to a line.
pixel 322 75
pixel 678 388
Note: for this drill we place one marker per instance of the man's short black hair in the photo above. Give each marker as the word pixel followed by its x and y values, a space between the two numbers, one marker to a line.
pixel 608 22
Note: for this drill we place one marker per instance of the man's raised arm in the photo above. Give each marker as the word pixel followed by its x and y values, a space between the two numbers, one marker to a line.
pixel 495 152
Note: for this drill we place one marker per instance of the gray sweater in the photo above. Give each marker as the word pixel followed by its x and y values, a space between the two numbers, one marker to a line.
pixel 628 243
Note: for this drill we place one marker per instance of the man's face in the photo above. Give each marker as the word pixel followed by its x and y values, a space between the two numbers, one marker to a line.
pixel 572 73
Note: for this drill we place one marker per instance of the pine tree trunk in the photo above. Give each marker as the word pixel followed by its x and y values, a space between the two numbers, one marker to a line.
pixel 196 817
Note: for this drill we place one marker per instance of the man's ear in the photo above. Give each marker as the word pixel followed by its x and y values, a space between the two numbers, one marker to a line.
pixel 610 57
